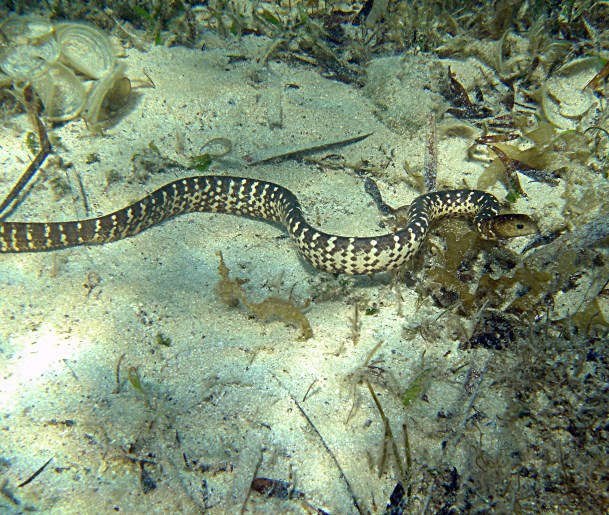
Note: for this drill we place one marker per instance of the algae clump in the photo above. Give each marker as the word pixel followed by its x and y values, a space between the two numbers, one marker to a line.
pixel 230 292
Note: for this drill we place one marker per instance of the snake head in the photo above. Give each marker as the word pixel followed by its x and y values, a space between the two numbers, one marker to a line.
pixel 507 226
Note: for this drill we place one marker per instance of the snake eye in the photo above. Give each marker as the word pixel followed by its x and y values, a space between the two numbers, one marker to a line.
pixel 519 226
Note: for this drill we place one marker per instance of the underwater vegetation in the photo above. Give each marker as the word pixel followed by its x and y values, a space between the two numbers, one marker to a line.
pixel 231 293
pixel 71 67
pixel 531 326
pixel 541 118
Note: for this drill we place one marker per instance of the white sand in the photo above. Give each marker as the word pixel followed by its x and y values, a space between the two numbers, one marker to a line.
pixel 219 405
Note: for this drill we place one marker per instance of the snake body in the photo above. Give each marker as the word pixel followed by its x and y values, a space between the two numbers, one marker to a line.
pixel 274 203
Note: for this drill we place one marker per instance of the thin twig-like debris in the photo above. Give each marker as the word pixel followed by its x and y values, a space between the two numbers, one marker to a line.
pixel 372 352
pixel 474 388
pixel 117 374
pixel 308 390
pixel 430 165
pixel 35 474
pixel 286 153
pixel 83 193
pixel 389 436
pixel 33 108
pixel 326 447
pixel 407 447
pixel 356 324
pixel 251 482
pixel 596 80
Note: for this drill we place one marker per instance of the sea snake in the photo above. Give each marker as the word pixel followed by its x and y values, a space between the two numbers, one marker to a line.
pixel 271 202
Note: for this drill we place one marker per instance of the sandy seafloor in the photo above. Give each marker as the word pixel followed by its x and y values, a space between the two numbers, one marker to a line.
pixel 219 406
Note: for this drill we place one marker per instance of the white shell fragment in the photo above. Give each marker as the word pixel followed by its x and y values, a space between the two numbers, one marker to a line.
pixel 59 60
pixel 564 101
pixel 107 95
pixel 18 29
pixel 62 94
pixel 85 49
pixel 30 60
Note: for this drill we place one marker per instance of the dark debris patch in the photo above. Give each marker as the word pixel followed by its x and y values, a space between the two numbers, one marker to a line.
pixel 494 331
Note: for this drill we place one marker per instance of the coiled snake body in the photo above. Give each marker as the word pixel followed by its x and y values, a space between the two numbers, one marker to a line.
pixel 268 201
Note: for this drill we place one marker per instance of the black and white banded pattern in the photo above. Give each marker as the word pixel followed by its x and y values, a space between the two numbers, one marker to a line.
pixel 268 201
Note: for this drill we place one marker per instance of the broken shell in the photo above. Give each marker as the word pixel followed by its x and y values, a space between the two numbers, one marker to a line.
pixel 107 95
pixel 564 100
pixel 62 94
pixel 22 29
pixel 116 98
pixel 583 65
pixel 54 58
pixel 30 60
pixel 85 49
pixel 564 103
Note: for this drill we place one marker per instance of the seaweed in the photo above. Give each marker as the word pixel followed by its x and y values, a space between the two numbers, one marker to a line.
pixel 60 187
pixel 228 290
pixel 416 388
pixel 567 259
pixel 327 287
pixel 283 309
pixel 162 339
pixel 503 281
pixel 112 176
pixel 134 379
pixel 506 283
pixel 31 143
pixel 231 292
pixel 150 161
pixel 92 282
pixel 585 320
pixel 463 107
pixel 561 384
pixel 153 21
pixel 521 291
pixel 34 108
pixel 515 190
pixel 450 281
pixel 390 445
pixel 200 163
